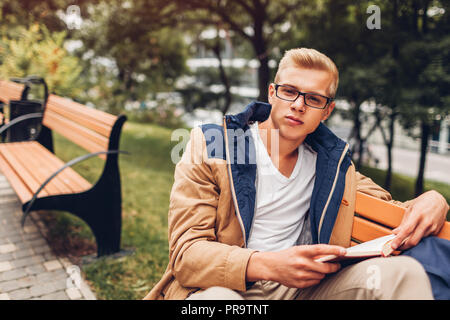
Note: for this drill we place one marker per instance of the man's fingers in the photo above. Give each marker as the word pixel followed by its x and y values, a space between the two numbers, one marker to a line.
pixel 403 233
pixel 421 231
pixel 321 249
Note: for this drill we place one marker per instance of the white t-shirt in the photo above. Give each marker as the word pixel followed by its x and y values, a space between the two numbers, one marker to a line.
pixel 281 202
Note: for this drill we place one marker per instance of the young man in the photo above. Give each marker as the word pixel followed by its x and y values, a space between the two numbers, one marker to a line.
pixel 257 200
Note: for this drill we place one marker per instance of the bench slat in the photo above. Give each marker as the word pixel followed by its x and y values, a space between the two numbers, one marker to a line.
pixel 39 168
pixel 71 110
pixel 364 230
pixel 74 132
pixel 69 176
pixel 445 231
pixel 36 164
pixel 373 211
pixel 72 128
pixel 10 91
pixel 16 182
pixel 82 110
pixel 378 210
pixel 20 169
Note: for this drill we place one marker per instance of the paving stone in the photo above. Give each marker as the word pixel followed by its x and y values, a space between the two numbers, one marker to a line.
pixel 59 295
pixel 65 262
pixel 28 261
pixel 26 282
pixel 8 199
pixel 23 253
pixel 5 266
pixel 13 274
pixel 22 245
pixel 16 239
pixel 42 250
pixel 6 257
pixel 11 232
pixel 35 269
pixel 28 267
pixel 5 248
pixel 4 296
pixel 73 294
pixel 11 285
pixel 32 236
pixel 41 289
pixel 52 265
pixel 53 275
pixel 20 294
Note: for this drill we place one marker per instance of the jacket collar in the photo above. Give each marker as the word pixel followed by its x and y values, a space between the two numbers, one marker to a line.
pixel 255 111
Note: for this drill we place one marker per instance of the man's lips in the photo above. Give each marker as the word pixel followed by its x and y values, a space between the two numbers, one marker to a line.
pixel 293 120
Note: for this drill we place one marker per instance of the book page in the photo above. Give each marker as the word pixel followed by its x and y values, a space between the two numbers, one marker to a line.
pixel 375 245
pixel 370 248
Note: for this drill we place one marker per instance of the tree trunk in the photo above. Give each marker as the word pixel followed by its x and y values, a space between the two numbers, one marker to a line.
pixel 425 134
pixel 263 78
pixel 223 76
pixel 390 142
pixel 357 133
pixel 260 47
pixel 389 146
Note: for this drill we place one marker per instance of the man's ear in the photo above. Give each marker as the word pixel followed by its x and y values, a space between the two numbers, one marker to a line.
pixel 270 92
pixel 328 110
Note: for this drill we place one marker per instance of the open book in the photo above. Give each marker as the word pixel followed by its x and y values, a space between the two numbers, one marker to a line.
pixel 373 248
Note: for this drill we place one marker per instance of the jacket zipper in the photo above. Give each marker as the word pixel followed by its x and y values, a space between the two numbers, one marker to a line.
pixel 233 191
pixel 322 216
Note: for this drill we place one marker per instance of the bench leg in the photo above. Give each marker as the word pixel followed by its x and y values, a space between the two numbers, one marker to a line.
pixel 101 210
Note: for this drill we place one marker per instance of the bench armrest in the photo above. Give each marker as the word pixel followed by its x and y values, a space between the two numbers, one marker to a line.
pixel 66 165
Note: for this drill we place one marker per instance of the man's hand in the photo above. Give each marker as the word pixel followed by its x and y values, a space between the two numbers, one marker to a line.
pixel 424 217
pixel 294 267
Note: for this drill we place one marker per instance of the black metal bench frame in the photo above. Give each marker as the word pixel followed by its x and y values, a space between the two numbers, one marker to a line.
pixel 101 205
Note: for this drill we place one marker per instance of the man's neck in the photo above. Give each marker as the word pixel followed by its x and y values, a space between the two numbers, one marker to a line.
pixel 282 152
pixel 286 149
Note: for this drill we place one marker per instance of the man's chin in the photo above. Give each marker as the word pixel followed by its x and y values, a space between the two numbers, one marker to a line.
pixel 292 137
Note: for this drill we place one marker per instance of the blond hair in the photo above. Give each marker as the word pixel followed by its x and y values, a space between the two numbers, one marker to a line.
pixel 310 59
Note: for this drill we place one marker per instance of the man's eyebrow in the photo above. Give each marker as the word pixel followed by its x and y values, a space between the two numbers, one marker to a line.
pixel 295 87
pixel 290 85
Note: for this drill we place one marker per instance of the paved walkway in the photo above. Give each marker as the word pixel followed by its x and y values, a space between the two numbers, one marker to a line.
pixel 28 268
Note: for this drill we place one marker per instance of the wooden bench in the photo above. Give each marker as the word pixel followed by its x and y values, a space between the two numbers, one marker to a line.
pixel 376 218
pixel 44 182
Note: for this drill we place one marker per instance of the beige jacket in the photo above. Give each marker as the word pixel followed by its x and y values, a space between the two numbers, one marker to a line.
pixel 205 238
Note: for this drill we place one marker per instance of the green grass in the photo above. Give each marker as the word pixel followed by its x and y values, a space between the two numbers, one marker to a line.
pixel 147 178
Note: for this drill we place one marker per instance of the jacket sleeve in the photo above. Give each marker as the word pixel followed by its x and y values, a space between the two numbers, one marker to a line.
pixel 196 257
pixel 366 185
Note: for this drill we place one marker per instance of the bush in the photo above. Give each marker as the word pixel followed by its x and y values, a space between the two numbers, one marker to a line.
pixel 37 51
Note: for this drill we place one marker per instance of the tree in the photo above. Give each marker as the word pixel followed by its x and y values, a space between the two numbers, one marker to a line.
pixel 338 29
pixel 129 51
pixel 257 22
pixel 425 71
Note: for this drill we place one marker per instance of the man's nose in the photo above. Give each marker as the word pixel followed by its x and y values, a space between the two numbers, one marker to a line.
pixel 299 104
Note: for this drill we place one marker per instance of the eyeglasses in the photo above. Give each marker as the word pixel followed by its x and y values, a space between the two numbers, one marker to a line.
pixel 312 100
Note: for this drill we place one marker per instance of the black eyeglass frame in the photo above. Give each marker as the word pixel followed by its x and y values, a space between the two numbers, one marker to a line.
pixel 299 93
